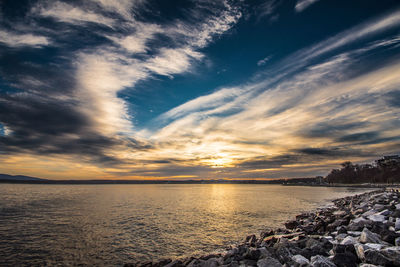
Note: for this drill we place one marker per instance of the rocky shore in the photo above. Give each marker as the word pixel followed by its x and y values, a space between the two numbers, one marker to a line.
pixel 361 230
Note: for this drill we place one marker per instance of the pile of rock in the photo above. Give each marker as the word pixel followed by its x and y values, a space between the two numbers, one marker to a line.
pixel 361 230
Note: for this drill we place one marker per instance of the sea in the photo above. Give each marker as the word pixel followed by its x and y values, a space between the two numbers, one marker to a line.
pixel 110 225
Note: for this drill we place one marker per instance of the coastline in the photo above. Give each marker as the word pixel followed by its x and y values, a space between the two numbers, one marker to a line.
pixel 360 230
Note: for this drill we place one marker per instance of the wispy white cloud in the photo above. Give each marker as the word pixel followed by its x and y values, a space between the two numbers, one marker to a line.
pixel 17 40
pixel 263 61
pixel 124 8
pixel 360 32
pixel 267 9
pixel 104 71
pixel 172 61
pixel 301 5
pixel 70 14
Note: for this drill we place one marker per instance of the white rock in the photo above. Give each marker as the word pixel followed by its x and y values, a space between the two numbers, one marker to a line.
pixel 349 240
pixel 397 242
pixel 354 233
pixel 300 260
pixel 373 246
pixel 384 212
pixel 359 219
pixel 376 218
pixel 321 261
pixel 397 224
pixel 397 206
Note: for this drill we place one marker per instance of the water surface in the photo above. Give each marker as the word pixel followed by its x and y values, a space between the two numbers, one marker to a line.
pixel 108 225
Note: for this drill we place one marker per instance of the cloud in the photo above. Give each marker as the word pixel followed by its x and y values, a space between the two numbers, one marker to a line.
pixel 172 61
pixel 323 105
pixel 299 116
pixel 72 107
pixel 64 12
pixel 20 40
pixel 301 5
pixel 267 9
pixel 263 61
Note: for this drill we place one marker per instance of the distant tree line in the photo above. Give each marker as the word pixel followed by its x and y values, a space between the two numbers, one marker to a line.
pixel 384 170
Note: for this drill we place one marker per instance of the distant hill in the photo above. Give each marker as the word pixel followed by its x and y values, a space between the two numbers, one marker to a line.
pixel 19 178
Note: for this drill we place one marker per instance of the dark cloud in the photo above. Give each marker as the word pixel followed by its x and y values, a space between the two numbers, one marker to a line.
pixel 331 128
pixel 50 126
pixel 357 137
pixel 273 162
pixel 393 98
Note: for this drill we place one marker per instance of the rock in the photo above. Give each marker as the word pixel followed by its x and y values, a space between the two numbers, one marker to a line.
pixel 349 240
pixel 346 259
pixel 233 264
pixel 354 233
pixel 340 237
pixel 312 243
pixel 393 253
pixel 320 261
pixel 338 248
pixel 342 230
pixel 291 224
pixel 360 251
pixel 379 207
pixel 397 224
pixel 367 265
pixel 375 257
pixel 389 236
pixel 283 254
pixel 396 213
pixel 369 213
pixel 251 239
pixel 264 253
pixel 397 242
pixel 163 262
pixel 340 213
pixel 373 246
pixel 376 218
pixel 268 262
pixel 335 224
pixel 369 237
pixel 300 261
pixel 213 262
pixel 358 224
pixel 196 263
pixel 176 263
pixel 252 254
pixel 384 212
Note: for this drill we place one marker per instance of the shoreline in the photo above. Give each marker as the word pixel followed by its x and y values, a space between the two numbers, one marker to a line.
pixel 359 230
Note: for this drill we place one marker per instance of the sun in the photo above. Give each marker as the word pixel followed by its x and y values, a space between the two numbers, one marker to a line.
pixel 219 161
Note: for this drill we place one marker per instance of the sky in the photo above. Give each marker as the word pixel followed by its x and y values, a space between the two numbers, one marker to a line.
pixel 197 89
